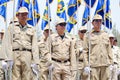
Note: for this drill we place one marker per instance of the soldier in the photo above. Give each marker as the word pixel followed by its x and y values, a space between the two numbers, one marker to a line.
pixel 114 67
pixel 62 53
pixel 79 52
pixel 1 69
pixel 43 54
pixel 100 56
pixel 23 49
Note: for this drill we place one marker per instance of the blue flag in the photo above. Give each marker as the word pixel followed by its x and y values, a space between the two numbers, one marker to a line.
pixel 108 15
pixel 61 10
pixel 104 10
pixel 34 14
pixel 72 6
pixel 23 3
pixel 86 15
pixel 100 8
pixel 3 1
pixel 50 1
pixel 3 10
pixel 88 2
pixel 71 22
pixel 46 14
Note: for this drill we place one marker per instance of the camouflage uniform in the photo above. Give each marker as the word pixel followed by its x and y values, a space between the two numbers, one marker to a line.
pixel 62 53
pixel 100 52
pixel 23 49
pixel 1 70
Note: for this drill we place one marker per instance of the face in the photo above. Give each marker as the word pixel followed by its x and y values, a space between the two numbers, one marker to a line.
pixel 97 24
pixel 61 28
pixel 22 17
pixel 81 34
pixel 111 40
pixel 46 33
pixel 1 36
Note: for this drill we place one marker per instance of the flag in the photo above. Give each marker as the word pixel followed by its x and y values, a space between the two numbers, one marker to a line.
pixel 86 15
pixel 71 22
pixel 45 17
pixel 88 2
pixel 61 10
pixel 103 9
pixel 23 3
pixel 34 14
pixel 50 1
pixel 108 15
pixel 72 6
pixel 100 8
pixel 3 1
pixel 3 10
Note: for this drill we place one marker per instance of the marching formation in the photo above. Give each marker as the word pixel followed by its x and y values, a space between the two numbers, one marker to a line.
pixel 94 55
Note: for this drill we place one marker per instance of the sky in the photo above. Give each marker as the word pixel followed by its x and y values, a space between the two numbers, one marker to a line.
pixel 115 13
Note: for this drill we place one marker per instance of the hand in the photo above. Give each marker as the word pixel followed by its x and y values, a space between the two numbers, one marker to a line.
pixel 81 49
pixel 4 65
pixel 35 68
pixel 111 67
pixel 87 70
pixel 51 67
pixel 10 63
pixel 118 72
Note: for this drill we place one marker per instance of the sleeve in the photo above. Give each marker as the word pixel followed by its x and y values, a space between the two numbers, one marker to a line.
pixel 110 54
pixel 73 56
pixel 85 51
pixel 35 53
pixel 6 49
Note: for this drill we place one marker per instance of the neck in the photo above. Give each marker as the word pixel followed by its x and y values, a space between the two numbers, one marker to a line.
pixel 23 23
pixel 61 34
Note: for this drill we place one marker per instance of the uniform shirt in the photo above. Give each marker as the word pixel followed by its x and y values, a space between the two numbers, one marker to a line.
pixel 44 54
pixel 19 37
pixel 116 55
pixel 100 49
pixel 62 49
pixel 80 55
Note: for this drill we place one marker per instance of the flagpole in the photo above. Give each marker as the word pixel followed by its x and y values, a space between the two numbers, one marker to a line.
pixel 33 13
pixel 89 27
pixel 104 7
pixel 50 70
pixel 77 59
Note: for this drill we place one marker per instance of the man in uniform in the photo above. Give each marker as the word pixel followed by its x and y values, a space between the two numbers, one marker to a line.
pixel 62 52
pixel 100 56
pixel 79 53
pixel 114 66
pixel 1 70
pixel 117 50
pixel 23 49
pixel 44 54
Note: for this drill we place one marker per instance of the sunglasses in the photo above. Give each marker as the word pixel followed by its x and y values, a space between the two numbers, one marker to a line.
pixel 82 31
pixel 98 20
pixel 62 24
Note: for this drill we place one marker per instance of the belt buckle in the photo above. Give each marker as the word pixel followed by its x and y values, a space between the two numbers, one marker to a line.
pixel 62 61
pixel 20 49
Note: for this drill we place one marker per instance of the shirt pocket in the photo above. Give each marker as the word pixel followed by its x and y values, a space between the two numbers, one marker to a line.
pixel 67 44
pixel 94 41
pixel 30 32
pixel 105 41
pixel 55 46
pixel 16 33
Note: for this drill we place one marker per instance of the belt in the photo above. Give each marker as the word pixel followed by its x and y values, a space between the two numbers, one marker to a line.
pixel 80 60
pixel 23 49
pixel 60 60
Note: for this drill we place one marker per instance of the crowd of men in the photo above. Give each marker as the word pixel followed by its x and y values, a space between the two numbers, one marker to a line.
pixel 57 56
